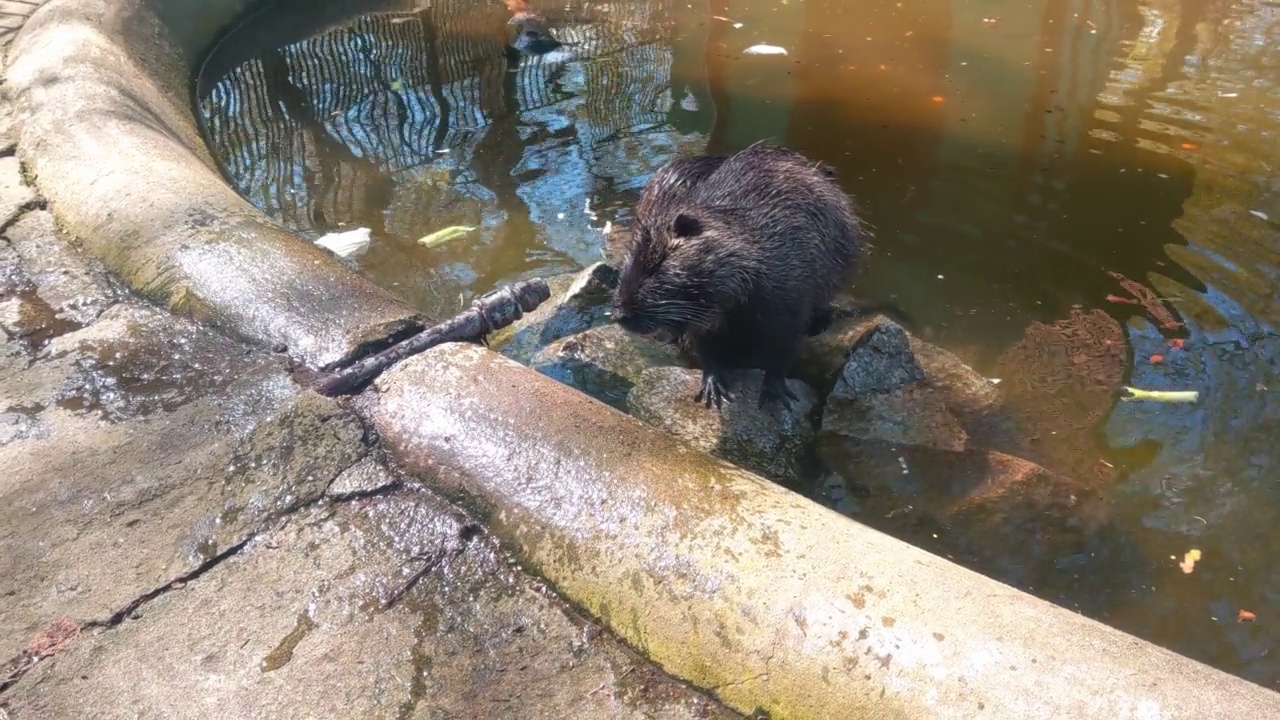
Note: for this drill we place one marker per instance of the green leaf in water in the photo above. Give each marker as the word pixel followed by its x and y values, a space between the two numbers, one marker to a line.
pixel 445 235
pixel 397 85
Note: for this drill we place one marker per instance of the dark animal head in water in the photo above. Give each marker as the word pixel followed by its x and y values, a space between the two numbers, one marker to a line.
pixel 532 36
pixel 676 277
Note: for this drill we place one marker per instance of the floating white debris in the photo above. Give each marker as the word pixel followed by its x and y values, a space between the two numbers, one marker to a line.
pixel 442 236
pixel 736 25
pixel 1228 95
pixel 608 227
pixel 763 49
pixel 1259 214
pixel 351 243
pixel 994 381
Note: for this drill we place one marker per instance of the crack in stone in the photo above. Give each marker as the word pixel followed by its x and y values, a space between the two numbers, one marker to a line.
pixel 37 203
pixel 24 662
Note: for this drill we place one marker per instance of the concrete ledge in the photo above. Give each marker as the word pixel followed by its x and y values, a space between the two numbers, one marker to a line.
pixel 724 579
pixel 102 90
pixel 742 587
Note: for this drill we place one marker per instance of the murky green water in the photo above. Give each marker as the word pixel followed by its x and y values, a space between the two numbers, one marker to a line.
pixel 1018 161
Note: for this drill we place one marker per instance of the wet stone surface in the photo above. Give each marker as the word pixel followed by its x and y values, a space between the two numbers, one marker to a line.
pixel 604 362
pixel 15 196
pixel 174 508
pixel 394 606
pixel 578 302
pixel 774 444
pixel 77 289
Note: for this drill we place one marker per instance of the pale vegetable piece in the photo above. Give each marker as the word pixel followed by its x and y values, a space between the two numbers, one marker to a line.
pixel 347 244
pixel 763 49
pixel 1189 561
pixel 443 236
pixel 1173 396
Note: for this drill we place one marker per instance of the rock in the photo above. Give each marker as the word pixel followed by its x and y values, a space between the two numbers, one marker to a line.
pixel 822 357
pixel 604 362
pixel 899 389
pixel 76 288
pixel 365 477
pixel 15 195
pixel 776 447
pixel 964 390
pixel 305 622
pixel 882 361
pixel 578 303
pixel 999 514
pixel 911 415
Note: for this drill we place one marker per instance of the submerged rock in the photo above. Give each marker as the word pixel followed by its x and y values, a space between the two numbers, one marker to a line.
pixel 1000 514
pixel 604 362
pixel 578 303
pixel 775 445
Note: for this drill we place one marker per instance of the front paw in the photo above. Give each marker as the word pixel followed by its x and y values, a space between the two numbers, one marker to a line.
pixel 714 390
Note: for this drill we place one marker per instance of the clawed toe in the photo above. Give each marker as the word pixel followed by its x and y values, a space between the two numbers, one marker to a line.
pixel 713 391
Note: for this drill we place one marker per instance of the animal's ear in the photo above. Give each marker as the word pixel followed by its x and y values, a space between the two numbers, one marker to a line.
pixel 685 226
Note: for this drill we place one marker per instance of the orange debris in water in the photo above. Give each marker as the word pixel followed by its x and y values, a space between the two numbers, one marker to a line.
pixel 1188 146
pixel 1246 616
pixel 937 98
pixel 1157 359
pixel 1177 343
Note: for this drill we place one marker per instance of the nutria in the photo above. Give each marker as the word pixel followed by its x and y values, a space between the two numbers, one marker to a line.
pixel 735 259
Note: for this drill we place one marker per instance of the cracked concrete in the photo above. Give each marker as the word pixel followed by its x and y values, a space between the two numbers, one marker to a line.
pixel 297 624
pixel 174 508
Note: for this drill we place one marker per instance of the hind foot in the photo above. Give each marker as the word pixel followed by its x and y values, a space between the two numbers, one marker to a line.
pixel 775 393
pixel 714 389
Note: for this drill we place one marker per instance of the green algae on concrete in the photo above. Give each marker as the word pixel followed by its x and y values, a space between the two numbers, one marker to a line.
pixel 742 587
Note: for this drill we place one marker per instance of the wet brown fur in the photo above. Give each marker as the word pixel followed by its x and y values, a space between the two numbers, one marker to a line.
pixel 735 259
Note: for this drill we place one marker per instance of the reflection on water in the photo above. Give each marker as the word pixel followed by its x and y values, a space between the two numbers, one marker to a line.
pixel 1012 157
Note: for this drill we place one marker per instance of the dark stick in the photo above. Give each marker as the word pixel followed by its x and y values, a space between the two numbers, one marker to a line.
pixel 488 312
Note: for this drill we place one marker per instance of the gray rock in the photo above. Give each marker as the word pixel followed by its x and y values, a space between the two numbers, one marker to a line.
pixel 578 303
pixel 15 195
pixel 910 415
pixel 604 362
pixel 775 445
pixel 76 288
pixel 824 358
pixel 901 390
pixel 881 362
pixel 365 477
